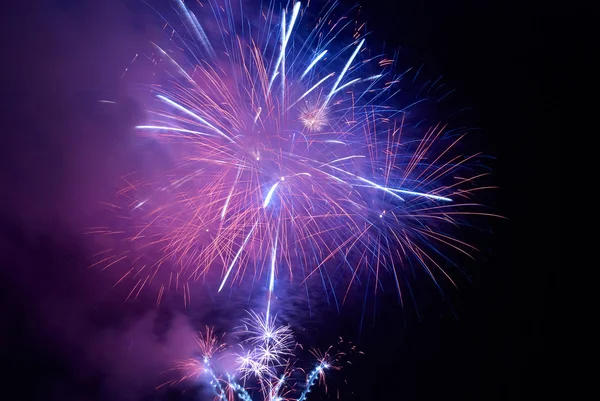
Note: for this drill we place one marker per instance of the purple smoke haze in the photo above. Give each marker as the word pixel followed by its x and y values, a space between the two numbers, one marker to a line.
pixel 63 152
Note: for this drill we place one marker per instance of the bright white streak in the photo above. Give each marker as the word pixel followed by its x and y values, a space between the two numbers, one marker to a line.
pixel 140 204
pixel 334 141
pixel 403 191
pixel 392 191
pixel 346 85
pixel 285 37
pixel 224 211
pixel 312 89
pixel 344 158
pixel 273 258
pixel 348 64
pixel 374 185
pixel 187 131
pixel 270 194
pixel 237 255
pixel 229 196
pixel 372 78
pixel 197 117
pixel 271 278
pixel 312 64
pixel 389 191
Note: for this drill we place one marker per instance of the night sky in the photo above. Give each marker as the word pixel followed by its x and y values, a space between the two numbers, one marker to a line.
pixel 67 335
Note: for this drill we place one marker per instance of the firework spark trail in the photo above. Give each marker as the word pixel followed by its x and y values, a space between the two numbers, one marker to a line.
pixel 271 278
pixel 310 381
pixel 293 159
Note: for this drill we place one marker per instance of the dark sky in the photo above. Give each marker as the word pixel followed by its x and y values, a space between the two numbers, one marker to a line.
pixel 67 336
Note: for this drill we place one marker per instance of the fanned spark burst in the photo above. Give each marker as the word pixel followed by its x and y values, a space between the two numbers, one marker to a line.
pixel 271 343
pixel 294 158
pixel 208 345
pixel 253 377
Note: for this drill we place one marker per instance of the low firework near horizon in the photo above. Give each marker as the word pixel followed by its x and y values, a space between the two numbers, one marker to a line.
pixel 293 159
pixel 264 364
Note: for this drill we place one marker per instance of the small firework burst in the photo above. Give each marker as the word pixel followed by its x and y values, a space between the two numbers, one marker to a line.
pixel 255 376
pixel 314 118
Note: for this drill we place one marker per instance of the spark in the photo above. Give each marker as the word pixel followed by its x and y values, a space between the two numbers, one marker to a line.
pixel 343 73
pixel 270 194
pixel 312 64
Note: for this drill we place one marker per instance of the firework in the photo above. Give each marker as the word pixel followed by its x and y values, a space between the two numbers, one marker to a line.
pixel 271 343
pixel 253 375
pixel 295 158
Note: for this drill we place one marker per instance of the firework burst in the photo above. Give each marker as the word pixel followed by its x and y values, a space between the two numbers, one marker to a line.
pixel 253 376
pixel 294 157
pixel 271 343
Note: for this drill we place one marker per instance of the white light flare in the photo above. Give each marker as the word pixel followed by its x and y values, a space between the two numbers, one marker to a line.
pixel 392 191
pixel 312 64
pixel 270 194
pixel 286 33
pixel 272 278
pixel 197 117
pixel 348 64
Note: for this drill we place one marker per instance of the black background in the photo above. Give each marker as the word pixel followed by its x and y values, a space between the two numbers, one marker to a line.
pixel 500 56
